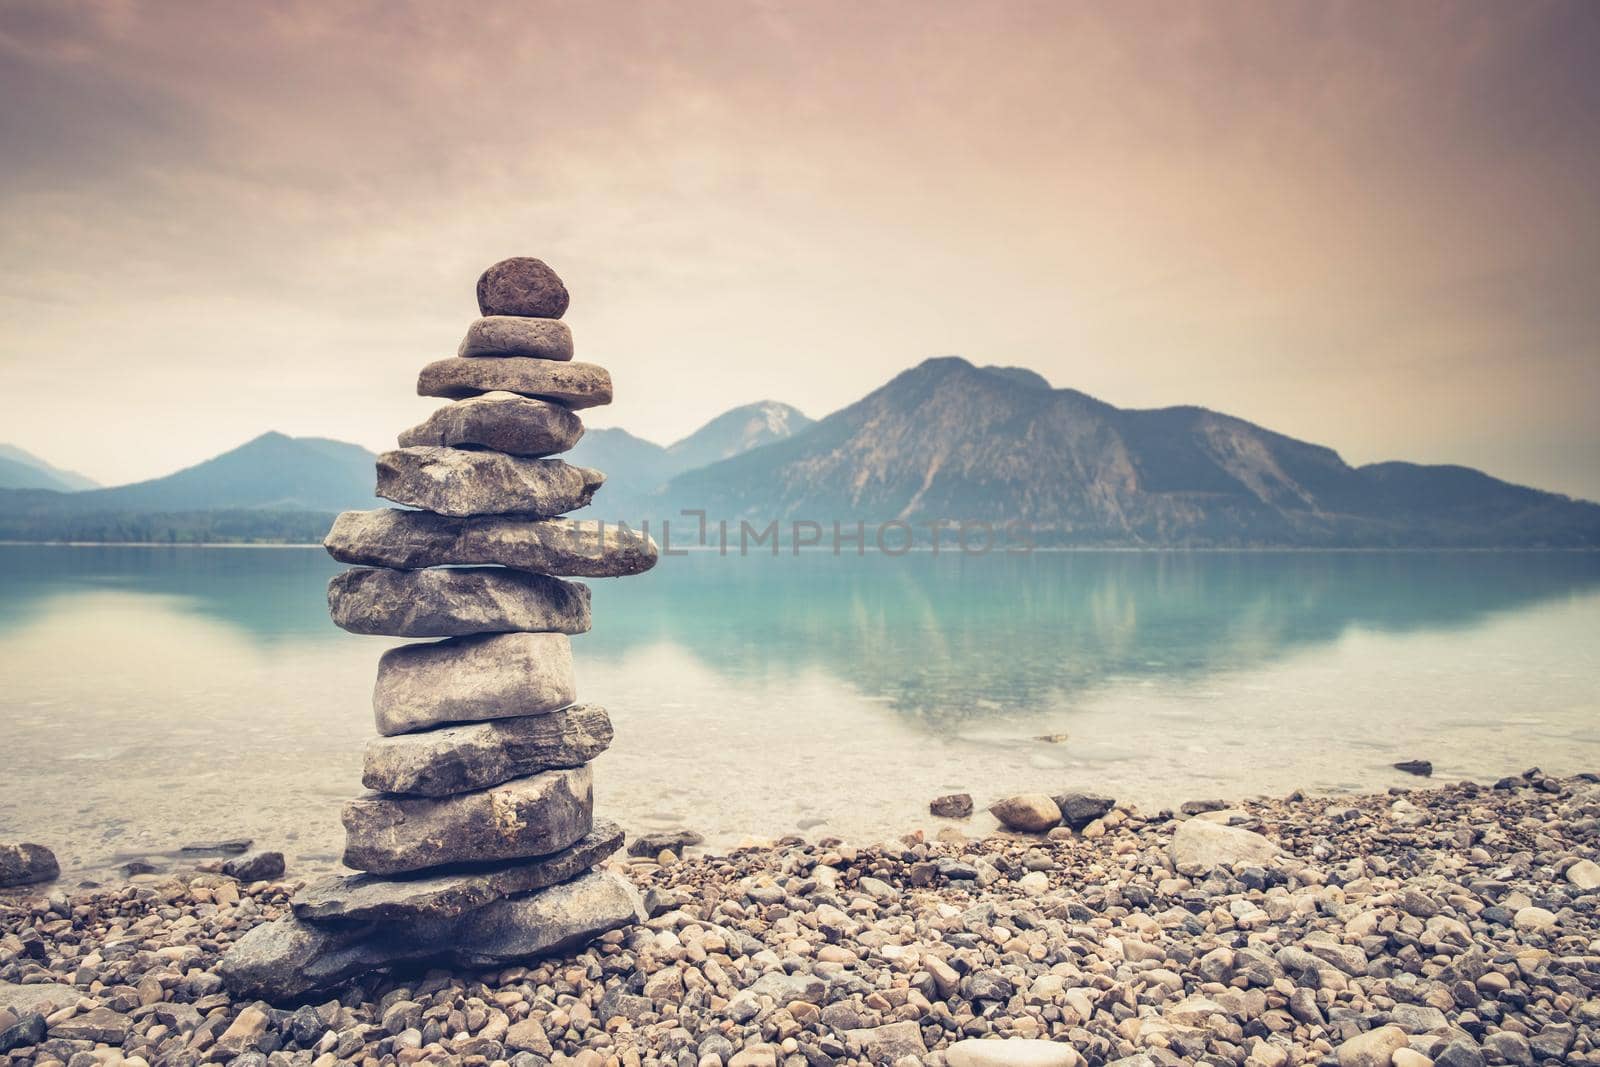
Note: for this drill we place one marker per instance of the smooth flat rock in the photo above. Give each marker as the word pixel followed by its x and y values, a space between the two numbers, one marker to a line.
pixel 1375 1048
pixel 233 846
pixel 443 895
pixel 503 422
pixel 1028 812
pixel 1011 1052
pixel 514 335
pixel 456 759
pixel 1585 874
pixel 584 548
pixel 525 817
pixel 43 998
pixel 455 602
pixel 573 385
pixel 522 285
pixel 453 481
pixel 1200 847
pixel 472 679
pixel 26 863
pixel 100 1025
pixel 290 958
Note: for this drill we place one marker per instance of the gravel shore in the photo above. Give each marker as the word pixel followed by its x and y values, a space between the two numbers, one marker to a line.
pixel 1454 925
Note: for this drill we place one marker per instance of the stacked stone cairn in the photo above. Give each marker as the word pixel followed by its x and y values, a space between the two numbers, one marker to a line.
pixel 478 844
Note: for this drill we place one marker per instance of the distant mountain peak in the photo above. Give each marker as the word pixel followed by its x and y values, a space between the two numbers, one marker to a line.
pixel 739 430
pixel 20 469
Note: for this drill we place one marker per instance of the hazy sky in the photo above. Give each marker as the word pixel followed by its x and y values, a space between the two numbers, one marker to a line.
pixel 1373 226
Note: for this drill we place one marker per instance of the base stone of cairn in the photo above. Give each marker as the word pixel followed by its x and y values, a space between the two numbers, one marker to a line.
pixel 478 846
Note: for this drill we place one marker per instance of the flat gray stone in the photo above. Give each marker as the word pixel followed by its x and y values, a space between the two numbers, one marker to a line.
pixel 456 759
pixel 100 1025
pixel 26 863
pixel 522 285
pixel 290 958
pixel 442 895
pixel 514 335
pixel 525 817
pixel 43 997
pixel 573 385
pixel 455 602
pixel 389 537
pixel 472 679
pixel 502 422
pixel 1200 847
pixel 453 481
pixel 1011 1052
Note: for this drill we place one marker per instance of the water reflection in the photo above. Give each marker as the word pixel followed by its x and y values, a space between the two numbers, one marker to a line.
pixel 940 639
pixel 945 639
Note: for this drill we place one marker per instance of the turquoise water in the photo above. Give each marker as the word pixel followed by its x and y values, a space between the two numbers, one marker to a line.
pixel 154 696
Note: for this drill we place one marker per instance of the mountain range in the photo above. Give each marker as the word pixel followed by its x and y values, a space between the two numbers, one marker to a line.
pixel 948 441
pixel 942 442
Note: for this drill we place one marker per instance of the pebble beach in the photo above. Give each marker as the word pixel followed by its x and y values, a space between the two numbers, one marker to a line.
pixel 1451 925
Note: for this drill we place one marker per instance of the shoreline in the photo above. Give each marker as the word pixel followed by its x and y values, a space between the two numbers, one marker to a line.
pixel 1430 924
pixel 676 550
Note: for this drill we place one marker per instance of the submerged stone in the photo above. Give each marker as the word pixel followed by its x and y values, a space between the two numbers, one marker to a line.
pixel 455 602
pixel 573 385
pixel 503 422
pixel 472 679
pixel 452 481
pixel 525 817
pixel 584 548
pixel 290 958
pixel 455 891
pixel 456 759
pixel 514 335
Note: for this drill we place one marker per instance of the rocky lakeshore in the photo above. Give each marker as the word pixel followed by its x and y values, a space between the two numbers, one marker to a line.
pixel 1452 925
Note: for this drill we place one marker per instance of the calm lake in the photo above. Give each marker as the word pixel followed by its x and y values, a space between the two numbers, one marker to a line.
pixel 157 696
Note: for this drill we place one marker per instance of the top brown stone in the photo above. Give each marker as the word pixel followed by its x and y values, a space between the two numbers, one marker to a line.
pixel 521 286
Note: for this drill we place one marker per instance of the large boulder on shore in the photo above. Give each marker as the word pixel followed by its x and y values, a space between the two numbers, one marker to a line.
pixel 514 335
pixel 1200 846
pixel 453 481
pixel 288 959
pixel 410 540
pixel 444 894
pixel 524 286
pixel 503 422
pixel 455 602
pixel 456 759
pixel 472 679
pixel 1032 813
pixel 525 817
pixel 26 863
pixel 573 385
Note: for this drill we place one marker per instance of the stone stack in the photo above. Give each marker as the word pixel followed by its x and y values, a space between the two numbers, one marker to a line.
pixel 478 843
